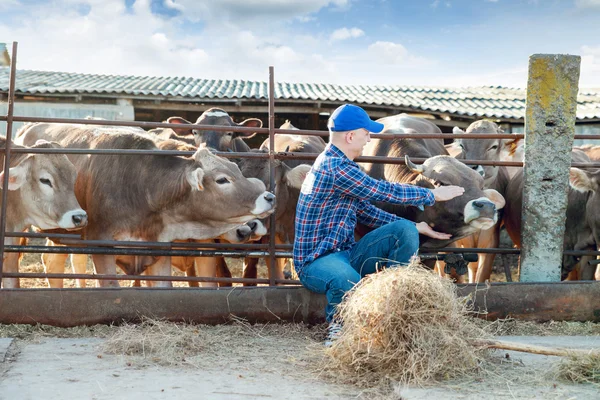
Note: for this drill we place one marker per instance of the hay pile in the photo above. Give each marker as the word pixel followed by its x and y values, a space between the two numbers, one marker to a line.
pixel 404 325
pixel 580 368
pixel 161 342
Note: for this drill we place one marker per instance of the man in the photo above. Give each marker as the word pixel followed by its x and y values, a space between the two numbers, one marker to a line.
pixel 335 195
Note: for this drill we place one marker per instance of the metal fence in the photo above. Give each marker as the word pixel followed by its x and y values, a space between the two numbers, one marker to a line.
pixel 73 244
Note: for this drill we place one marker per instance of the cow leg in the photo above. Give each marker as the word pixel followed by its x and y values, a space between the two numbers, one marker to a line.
pixel 191 271
pixel 597 274
pixel 79 263
pixel 11 264
pixel 280 265
pixel 187 265
pixel 206 266
pixel 162 267
pixel 250 269
pixel 222 271
pixel 487 239
pixel 105 264
pixel 54 264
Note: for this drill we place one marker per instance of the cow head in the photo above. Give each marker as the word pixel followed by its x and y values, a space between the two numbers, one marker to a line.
pixel 486 149
pixel 45 184
pixel 588 181
pixel 250 231
pixel 233 196
pixel 218 140
pixel 476 209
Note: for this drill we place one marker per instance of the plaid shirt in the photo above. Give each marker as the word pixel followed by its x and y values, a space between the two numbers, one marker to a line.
pixel 334 195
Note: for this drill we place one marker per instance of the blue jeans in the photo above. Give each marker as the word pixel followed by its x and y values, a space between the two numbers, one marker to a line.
pixel 334 274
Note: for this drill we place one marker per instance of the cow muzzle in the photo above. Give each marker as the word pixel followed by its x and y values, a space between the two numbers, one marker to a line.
pixel 73 219
pixel 264 205
pixel 481 213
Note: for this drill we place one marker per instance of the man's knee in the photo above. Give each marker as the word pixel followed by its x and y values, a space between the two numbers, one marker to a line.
pixel 344 280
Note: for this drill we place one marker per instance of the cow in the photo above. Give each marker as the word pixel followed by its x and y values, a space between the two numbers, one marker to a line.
pixel 285 142
pixel 494 177
pixel 40 193
pixel 586 182
pixel 579 227
pixel 154 197
pixel 218 140
pixel 288 182
pixel 462 216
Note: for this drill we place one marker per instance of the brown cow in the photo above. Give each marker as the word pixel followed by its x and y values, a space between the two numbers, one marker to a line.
pixel 218 140
pixel 580 226
pixel 154 197
pixel 41 193
pixel 476 209
pixel 288 182
pixel 296 144
pixel 496 178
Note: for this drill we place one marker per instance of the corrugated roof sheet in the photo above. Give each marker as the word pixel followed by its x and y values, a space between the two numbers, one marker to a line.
pixel 487 101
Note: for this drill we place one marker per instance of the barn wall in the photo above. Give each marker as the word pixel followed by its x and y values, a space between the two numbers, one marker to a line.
pixel 580 129
pixel 123 112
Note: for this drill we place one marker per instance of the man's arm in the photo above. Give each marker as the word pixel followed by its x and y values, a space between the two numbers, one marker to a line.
pixel 354 182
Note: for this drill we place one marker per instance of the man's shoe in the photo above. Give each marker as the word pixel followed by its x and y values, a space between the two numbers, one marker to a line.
pixel 334 330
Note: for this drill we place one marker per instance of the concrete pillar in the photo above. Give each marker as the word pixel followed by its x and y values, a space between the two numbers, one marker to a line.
pixel 552 89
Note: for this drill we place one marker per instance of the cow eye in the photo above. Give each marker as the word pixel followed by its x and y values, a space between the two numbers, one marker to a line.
pixel 494 147
pixel 229 134
pixel 222 181
pixel 46 181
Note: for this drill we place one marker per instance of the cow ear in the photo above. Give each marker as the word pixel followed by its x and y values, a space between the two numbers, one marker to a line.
pixel 510 146
pixel 295 177
pixel 495 197
pixel 16 175
pixel 454 149
pixel 456 130
pixel 249 123
pixel 182 131
pixel 194 178
pixel 581 181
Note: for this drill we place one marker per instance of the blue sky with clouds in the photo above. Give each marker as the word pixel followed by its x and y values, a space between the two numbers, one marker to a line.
pixel 425 43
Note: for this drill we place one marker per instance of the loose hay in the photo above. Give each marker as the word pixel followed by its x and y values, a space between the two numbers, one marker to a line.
pixel 404 325
pixel 580 368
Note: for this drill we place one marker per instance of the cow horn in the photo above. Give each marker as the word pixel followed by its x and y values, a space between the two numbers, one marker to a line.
pixel 412 166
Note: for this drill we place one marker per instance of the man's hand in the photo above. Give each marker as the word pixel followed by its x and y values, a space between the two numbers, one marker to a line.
pixel 426 230
pixel 444 193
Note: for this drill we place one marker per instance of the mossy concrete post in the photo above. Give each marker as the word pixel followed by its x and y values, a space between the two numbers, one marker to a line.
pixel 552 89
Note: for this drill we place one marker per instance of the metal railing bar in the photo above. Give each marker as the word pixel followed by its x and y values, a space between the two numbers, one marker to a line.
pixel 9 124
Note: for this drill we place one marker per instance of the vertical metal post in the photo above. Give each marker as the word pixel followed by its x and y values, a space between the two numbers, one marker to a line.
pixel 9 123
pixel 272 173
pixel 549 129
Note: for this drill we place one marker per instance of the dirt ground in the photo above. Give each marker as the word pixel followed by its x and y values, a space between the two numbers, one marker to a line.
pixel 241 361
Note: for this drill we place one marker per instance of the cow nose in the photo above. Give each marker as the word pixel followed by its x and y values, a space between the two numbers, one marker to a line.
pixel 252 225
pixel 79 219
pixel 478 204
pixel 270 197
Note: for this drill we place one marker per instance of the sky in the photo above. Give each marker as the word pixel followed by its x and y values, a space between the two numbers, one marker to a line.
pixel 450 43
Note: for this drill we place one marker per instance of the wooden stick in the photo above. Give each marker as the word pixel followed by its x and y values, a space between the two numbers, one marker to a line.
pixel 528 348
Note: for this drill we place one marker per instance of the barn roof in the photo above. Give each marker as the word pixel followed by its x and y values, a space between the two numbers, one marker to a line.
pixel 484 101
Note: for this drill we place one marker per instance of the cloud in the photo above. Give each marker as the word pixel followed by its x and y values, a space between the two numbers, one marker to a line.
pixel 388 52
pixel 173 5
pixel 345 33
pixel 590 66
pixel 587 3
pixel 245 12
